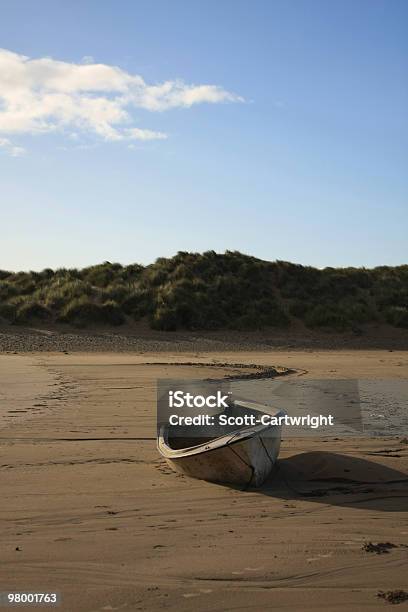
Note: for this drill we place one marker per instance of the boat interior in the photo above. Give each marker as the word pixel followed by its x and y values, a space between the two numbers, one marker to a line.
pixel 183 436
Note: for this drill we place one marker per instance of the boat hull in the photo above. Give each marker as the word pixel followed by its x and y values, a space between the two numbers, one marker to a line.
pixel 247 463
pixel 241 457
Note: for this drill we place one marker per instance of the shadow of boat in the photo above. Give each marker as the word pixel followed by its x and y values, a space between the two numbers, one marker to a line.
pixel 339 480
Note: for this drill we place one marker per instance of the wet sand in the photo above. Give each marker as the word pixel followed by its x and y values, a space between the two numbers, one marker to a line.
pixel 90 509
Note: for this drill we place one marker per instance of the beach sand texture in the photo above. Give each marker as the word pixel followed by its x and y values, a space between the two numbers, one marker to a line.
pixel 89 509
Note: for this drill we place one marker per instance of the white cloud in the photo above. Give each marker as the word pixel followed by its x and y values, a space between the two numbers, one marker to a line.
pixel 11 149
pixel 87 59
pixel 45 95
pixel 138 134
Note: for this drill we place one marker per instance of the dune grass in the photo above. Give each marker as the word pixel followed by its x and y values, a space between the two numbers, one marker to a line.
pixel 208 291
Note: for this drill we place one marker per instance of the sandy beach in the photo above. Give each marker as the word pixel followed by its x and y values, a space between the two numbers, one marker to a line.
pixel 89 508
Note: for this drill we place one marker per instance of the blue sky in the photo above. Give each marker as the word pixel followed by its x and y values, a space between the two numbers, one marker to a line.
pixel 297 151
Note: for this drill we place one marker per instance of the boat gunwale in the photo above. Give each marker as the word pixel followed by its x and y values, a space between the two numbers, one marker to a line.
pixel 234 437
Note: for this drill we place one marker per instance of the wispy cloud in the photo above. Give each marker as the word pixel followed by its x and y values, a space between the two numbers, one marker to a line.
pixel 45 95
pixel 11 149
pixel 138 134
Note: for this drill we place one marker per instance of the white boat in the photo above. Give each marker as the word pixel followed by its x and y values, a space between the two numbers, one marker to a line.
pixel 244 456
